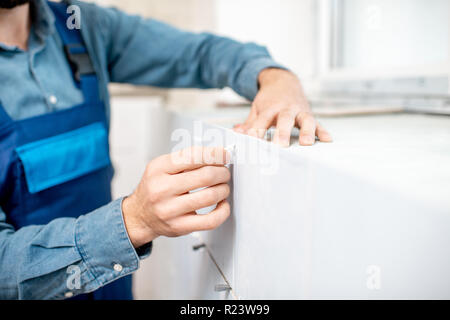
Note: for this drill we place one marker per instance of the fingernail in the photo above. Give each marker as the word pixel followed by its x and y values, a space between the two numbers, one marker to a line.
pixel 307 140
pixel 282 143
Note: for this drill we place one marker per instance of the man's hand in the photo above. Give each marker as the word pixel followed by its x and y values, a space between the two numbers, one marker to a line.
pixel 281 102
pixel 162 204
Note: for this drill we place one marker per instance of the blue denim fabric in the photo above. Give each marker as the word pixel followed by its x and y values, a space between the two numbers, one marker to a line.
pixel 36 262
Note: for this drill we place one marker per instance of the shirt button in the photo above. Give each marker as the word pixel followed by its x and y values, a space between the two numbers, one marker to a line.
pixel 52 99
pixel 118 267
pixel 68 294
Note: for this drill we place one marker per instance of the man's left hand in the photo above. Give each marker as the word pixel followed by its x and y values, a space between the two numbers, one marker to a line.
pixel 281 102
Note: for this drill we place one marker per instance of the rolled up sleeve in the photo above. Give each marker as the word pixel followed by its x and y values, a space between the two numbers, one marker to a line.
pixel 149 52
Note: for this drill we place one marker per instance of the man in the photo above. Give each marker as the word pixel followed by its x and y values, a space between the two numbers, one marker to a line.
pixel 61 236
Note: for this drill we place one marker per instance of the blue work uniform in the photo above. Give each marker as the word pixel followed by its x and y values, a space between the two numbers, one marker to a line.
pixel 58 163
pixel 55 169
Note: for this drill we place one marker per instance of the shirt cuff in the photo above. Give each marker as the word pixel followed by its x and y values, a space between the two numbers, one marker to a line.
pixel 103 243
pixel 144 251
pixel 248 78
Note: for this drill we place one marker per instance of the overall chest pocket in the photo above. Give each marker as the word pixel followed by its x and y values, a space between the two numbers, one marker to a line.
pixel 62 158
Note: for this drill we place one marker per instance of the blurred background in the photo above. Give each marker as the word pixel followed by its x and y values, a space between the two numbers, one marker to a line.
pixel 391 53
pixel 354 57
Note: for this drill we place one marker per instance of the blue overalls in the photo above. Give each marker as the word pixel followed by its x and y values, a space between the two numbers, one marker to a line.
pixel 57 164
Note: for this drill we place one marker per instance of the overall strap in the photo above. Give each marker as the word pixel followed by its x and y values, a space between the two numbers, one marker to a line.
pixel 76 52
pixel 4 117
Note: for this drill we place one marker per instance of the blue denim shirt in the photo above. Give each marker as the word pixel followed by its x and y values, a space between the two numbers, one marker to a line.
pixel 38 262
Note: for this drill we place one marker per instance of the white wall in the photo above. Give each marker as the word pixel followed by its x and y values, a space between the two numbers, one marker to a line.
pixel 194 15
pixel 401 33
pixel 284 26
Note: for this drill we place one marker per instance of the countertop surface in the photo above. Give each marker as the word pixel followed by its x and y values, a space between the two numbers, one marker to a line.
pixel 408 153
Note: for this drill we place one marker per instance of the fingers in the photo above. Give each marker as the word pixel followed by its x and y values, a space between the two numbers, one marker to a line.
pixel 307 125
pixel 323 134
pixel 309 128
pixel 243 127
pixel 197 200
pixel 239 128
pixel 191 222
pixel 154 204
pixel 285 124
pixel 202 177
pixel 261 124
pixel 193 158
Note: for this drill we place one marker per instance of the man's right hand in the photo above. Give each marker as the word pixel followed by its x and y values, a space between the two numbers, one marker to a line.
pixel 162 204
